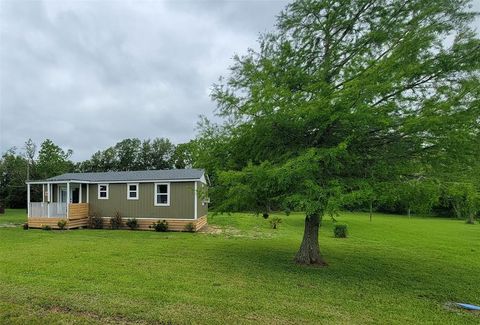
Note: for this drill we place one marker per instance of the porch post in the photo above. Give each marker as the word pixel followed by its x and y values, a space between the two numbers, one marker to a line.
pixel 28 200
pixel 48 199
pixel 68 197
pixel 88 194
pixel 43 193
pixel 80 194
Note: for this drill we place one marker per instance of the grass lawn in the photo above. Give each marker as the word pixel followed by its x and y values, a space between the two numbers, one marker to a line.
pixel 393 270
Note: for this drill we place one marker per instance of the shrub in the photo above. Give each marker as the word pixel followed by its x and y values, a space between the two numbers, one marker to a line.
pixel 132 223
pixel 265 215
pixel 25 226
pixel 116 221
pixel 95 221
pixel 62 224
pixel 189 227
pixel 340 231
pixel 46 227
pixel 288 211
pixel 161 226
pixel 275 222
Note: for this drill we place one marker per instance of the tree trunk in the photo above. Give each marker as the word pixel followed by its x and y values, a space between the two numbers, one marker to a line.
pixel 371 210
pixel 471 218
pixel 408 212
pixel 309 252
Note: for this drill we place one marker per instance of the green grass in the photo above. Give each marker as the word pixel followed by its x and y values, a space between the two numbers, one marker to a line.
pixel 393 270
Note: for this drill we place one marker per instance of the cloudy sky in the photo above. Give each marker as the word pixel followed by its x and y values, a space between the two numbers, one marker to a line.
pixel 88 74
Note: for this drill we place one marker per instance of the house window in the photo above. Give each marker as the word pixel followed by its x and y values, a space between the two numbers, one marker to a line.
pixel 102 191
pixel 132 191
pixel 162 194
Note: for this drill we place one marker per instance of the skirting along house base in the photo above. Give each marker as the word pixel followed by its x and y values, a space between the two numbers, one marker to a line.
pixel 176 196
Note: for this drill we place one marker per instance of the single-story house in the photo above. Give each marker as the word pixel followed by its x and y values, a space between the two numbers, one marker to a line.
pixel 177 196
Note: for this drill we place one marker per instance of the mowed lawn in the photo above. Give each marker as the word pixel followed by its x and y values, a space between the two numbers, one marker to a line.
pixel 393 270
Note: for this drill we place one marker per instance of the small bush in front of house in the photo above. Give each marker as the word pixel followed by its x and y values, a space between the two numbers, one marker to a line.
pixel 25 226
pixel 275 222
pixel 116 221
pixel 189 227
pixel 340 231
pixel 46 227
pixel 132 223
pixel 161 226
pixel 62 224
pixel 95 221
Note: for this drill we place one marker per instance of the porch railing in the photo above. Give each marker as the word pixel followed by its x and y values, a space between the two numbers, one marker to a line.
pixel 45 210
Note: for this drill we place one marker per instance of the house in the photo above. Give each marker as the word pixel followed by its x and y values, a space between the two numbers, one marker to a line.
pixel 177 196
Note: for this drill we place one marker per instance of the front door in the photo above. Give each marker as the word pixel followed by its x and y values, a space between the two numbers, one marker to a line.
pixel 74 194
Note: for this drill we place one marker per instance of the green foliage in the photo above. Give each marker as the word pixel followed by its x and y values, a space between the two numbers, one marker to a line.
pixel 62 224
pixel 465 200
pixel 53 160
pixel 132 154
pixel 189 227
pixel 160 226
pixel 46 227
pixel 116 221
pixel 95 221
pixel 340 230
pixel 344 102
pixel 132 223
pixel 275 222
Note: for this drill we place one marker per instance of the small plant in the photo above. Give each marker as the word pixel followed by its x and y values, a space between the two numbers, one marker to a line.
pixel 132 223
pixel 275 222
pixel 265 215
pixel 95 221
pixel 62 224
pixel 160 226
pixel 189 227
pixel 116 221
pixel 288 211
pixel 46 227
pixel 25 226
pixel 340 231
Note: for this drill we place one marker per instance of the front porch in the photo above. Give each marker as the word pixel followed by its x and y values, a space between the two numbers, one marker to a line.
pixel 60 201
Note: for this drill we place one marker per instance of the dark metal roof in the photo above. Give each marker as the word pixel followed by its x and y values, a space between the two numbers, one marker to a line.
pixel 131 176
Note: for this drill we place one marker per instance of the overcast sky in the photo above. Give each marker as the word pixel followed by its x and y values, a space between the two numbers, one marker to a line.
pixel 88 74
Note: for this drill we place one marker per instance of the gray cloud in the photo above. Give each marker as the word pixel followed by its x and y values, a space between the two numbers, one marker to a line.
pixel 88 74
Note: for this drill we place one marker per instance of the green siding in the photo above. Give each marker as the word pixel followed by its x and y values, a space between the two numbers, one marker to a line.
pixel 202 209
pixel 181 201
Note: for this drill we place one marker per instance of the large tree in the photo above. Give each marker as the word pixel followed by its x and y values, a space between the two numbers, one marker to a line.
pixel 346 93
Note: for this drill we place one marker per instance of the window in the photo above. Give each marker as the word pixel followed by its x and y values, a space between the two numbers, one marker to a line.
pixel 102 191
pixel 132 191
pixel 162 194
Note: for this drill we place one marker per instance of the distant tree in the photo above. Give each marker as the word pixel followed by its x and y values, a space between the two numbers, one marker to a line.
pixel 13 174
pixel 418 195
pixel 465 200
pixel 344 87
pixel 53 160
pixel 30 152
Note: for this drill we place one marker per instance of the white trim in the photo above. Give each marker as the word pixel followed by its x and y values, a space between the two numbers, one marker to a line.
pixel 107 190
pixel 156 193
pixel 28 200
pixel 195 207
pixel 68 198
pixel 88 193
pixel 137 194
pixel 80 194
